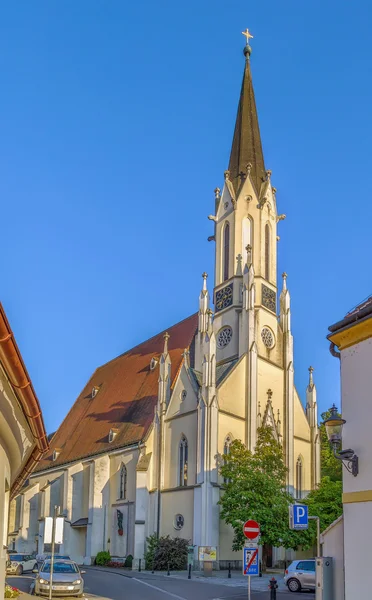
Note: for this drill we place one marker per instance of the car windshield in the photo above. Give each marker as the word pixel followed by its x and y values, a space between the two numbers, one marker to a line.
pixel 60 567
pixel 16 557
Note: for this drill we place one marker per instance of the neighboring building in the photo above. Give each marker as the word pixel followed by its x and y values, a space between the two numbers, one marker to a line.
pixel 137 453
pixel 22 435
pixel 351 341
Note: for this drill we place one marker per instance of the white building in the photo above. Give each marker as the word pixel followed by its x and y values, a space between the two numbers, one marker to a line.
pixel 137 453
pixel 22 434
pixel 351 341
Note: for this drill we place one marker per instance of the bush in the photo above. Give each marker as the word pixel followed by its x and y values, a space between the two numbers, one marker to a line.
pixel 166 551
pixel 128 561
pixel 103 558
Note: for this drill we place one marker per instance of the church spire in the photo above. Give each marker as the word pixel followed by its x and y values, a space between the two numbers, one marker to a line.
pixel 246 151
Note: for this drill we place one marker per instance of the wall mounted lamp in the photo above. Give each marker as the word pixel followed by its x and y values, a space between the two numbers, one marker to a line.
pixel 334 425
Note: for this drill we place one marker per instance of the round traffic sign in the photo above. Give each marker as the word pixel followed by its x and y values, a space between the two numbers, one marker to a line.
pixel 251 529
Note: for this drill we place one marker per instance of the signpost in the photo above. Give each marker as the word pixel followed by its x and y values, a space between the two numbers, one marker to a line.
pixel 298 516
pixel 251 530
pixel 53 533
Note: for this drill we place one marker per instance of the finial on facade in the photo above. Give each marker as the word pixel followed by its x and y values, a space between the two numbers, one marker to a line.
pixel 269 395
pixel 217 193
pixel 268 174
pixel 311 381
pixel 249 254
pixel 166 337
pixel 249 167
pixel 205 275
pixel 274 190
pixel 284 275
pixel 227 175
pixel 239 265
pixel 247 49
pixel 259 416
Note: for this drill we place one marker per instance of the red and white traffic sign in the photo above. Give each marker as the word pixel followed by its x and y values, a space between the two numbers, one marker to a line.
pixel 251 529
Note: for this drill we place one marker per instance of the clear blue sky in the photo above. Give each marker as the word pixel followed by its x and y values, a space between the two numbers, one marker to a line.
pixel 116 124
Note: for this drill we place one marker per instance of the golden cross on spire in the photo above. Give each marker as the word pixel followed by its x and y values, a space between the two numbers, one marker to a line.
pixel 247 34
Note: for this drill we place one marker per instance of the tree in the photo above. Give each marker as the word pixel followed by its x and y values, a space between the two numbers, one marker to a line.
pixel 326 502
pixel 256 489
pixel 330 466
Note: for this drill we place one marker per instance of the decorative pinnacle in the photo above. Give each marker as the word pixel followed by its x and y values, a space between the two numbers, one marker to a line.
pixel 284 275
pixel 268 174
pixel 166 337
pixel 311 382
pixel 205 275
pixel 217 192
pixel 269 395
pixel 247 48
pixel 227 175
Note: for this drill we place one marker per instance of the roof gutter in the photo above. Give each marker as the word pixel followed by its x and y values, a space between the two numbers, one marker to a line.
pixel 16 371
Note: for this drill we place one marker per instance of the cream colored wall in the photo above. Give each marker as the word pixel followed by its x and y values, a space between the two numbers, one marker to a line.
pixel 173 431
pixel 173 503
pixel 301 424
pixel 226 541
pixel 303 449
pixel 130 459
pixel 270 376
pixel 231 392
pixel 177 406
pixel 265 318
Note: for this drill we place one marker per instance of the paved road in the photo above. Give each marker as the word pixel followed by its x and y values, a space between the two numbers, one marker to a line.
pixel 113 586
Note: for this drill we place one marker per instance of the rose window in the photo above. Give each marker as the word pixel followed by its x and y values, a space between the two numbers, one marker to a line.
pixel 224 337
pixel 267 337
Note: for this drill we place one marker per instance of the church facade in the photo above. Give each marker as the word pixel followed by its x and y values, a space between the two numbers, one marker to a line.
pixel 138 452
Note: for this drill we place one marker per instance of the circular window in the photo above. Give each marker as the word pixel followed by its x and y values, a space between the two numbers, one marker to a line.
pixel 226 205
pixel 268 337
pixel 178 522
pixel 183 394
pixel 224 337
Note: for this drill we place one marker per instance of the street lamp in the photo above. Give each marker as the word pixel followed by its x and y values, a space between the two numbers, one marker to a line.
pixel 334 425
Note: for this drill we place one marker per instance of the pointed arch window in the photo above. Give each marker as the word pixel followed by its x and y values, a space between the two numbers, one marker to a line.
pixel 299 491
pixel 226 452
pixel 267 252
pixel 123 482
pixel 183 466
pixel 226 251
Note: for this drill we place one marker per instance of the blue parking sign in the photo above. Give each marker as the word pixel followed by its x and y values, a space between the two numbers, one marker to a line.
pixel 300 516
pixel 250 561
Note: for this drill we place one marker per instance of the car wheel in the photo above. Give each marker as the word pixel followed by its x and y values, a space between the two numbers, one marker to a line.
pixel 19 570
pixel 294 585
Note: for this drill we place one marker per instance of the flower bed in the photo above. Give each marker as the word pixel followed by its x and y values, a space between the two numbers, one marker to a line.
pixel 11 592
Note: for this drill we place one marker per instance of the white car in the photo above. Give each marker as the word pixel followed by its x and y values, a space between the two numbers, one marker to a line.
pixel 19 562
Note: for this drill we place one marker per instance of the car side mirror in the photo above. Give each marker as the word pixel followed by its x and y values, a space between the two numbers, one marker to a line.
pixel 83 572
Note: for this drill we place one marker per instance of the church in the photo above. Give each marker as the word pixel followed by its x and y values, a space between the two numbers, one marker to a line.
pixel 138 451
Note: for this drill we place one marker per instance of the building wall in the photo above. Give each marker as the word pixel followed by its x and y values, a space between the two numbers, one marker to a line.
pixel 356 402
pixel 4 507
pixel 333 545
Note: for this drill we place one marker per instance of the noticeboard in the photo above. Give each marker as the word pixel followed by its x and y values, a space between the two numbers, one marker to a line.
pixel 207 553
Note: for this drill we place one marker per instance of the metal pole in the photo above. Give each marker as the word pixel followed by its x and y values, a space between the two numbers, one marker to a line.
pixel 249 587
pixel 189 575
pixel 317 519
pixel 53 548
pixel 229 575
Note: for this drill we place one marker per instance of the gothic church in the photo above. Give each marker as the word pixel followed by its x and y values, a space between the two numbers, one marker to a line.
pixel 136 454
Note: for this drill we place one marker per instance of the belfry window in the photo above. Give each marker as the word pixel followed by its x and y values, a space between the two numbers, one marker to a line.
pixel 226 251
pixel 183 450
pixel 123 482
pixel 299 478
pixel 267 252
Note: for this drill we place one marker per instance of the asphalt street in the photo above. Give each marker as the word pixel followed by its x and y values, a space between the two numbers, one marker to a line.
pixel 113 586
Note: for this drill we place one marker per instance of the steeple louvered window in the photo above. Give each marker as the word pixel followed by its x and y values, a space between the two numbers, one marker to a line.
pixel 226 251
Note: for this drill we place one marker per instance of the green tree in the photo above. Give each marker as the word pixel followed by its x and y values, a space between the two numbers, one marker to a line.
pixel 330 466
pixel 256 489
pixel 326 502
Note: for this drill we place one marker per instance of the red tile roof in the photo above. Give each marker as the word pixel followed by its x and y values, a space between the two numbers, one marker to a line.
pixel 125 401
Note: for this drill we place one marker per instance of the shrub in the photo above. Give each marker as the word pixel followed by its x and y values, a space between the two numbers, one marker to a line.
pixel 166 551
pixel 103 558
pixel 128 561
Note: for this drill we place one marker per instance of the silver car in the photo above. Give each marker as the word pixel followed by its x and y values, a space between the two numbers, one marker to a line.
pixel 67 579
pixel 300 575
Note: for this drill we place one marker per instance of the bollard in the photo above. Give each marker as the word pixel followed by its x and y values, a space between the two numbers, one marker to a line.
pixel 139 565
pixel 229 575
pixel 260 568
pixel 153 569
pixel 189 575
pixel 168 570
pixel 273 586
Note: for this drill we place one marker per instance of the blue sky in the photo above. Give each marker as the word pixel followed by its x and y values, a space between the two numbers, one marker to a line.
pixel 116 125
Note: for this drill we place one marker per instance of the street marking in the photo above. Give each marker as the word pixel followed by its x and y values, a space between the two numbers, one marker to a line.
pixel 159 589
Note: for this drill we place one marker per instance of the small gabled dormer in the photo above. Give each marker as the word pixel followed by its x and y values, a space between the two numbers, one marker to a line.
pixel 56 453
pixel 112 434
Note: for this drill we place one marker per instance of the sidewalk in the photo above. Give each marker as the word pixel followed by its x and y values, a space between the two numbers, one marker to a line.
pixel 237 578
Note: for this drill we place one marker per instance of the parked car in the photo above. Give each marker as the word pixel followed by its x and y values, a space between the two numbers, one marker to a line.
pixel 67 579
pixel 300 575
pixel 47 555
pixel 18 563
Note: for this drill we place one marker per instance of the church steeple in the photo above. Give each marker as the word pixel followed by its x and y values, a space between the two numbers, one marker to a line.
pixel 246 151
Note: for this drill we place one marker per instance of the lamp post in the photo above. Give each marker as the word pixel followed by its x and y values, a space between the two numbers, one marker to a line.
pixel 334 425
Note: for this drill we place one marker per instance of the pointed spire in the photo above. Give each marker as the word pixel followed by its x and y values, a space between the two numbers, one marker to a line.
pixel 311 381
pixel 203 305
pixel 246 147
pixel 284 275
pixel 166 337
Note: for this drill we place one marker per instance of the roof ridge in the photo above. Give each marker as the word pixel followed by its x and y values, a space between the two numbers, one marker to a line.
pixel 145 341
